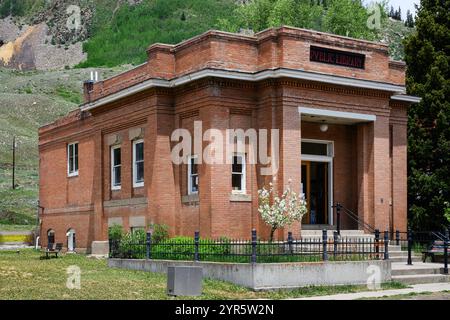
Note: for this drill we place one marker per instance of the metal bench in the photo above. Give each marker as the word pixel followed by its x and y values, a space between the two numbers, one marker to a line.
pixel 53 250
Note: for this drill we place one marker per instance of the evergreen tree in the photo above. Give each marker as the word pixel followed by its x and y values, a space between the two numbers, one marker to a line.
pixel 399 14
pixel 391 13
pixel 427 54
pixel 409 22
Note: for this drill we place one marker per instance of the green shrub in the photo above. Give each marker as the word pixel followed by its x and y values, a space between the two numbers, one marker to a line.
pixel 160 232
pixel 115 232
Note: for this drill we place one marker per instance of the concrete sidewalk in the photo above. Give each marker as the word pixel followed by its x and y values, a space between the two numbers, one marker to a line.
pixel 417 288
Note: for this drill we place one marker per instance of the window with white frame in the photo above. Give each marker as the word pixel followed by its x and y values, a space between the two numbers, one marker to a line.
pixel 138 163
pixel 238 173
pixel 72 159
pixel 192 175
pixel 116 168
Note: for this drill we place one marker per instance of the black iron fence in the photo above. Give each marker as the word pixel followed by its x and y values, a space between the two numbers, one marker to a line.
pixel 323 248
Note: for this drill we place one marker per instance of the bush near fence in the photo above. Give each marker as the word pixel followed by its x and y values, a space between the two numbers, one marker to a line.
pixel 138 246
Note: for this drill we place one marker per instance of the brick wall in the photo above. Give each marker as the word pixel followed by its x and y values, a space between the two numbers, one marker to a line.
pixel 368 169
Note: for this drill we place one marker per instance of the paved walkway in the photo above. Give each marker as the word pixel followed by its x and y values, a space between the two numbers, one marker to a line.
pixel 417 288
pixel 15 246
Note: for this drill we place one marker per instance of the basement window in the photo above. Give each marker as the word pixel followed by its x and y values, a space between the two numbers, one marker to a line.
pixel 116 166
pixel 72 159
pixel 138 163
pixel 193 175
pixel 238 173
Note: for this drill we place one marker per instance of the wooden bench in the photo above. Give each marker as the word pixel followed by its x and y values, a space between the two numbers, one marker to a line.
pixel 53 250
pixel 433 250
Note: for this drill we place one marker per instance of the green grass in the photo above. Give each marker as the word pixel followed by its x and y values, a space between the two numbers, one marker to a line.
pixel 29 100
pixel 68 94
pixel 24 275
pixel 124 37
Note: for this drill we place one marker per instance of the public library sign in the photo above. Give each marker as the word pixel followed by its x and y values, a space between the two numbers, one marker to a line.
pixel 337 57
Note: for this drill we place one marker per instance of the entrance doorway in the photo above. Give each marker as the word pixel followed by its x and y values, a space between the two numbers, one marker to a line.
pixel 315 189
pixel 317 181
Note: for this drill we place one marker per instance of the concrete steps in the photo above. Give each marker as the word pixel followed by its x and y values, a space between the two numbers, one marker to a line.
pixel 404 259
pixel 418 272
pixel 421 278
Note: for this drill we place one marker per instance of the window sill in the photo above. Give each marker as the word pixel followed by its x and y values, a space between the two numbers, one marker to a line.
pixel 190 198
pixel 136 186
pixel 72 175
pixel 240 197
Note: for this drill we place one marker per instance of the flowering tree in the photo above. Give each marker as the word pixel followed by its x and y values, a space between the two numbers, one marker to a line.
pixel 281 211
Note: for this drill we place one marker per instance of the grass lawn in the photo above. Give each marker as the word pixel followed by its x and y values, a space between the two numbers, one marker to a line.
pixel 24 275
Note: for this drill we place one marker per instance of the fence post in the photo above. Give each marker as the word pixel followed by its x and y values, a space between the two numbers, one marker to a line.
pixel 111 248
pixel 253 258
pixel 196 243
pixel 338 218
pixel 446 252
pixel 386 245
pixel 324 245
pixel 290 242
pixel 335 242
pixel 397 237
pixel 148 246
pixel 409 246
pixel 377 242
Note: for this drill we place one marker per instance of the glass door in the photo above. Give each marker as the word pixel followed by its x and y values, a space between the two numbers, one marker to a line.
pixel 315 188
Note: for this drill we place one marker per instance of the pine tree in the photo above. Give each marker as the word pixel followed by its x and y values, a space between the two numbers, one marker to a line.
pixel 391 13
pixel 427 55
pixel 399 14
pixel 409 22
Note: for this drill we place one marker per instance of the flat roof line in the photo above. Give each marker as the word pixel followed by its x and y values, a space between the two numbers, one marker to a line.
pixel 247 76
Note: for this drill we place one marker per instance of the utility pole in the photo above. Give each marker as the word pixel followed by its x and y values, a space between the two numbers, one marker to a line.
pixel 14 164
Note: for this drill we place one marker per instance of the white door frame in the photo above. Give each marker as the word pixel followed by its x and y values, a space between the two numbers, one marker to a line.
pixel 328 159
pixel 70 244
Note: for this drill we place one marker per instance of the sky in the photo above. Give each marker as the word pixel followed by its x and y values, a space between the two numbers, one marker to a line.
pixel 404 5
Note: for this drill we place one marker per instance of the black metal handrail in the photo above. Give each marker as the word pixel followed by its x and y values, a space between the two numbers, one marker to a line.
pixel 339 207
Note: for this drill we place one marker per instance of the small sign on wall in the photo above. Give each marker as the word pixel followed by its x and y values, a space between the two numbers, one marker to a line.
pixel 336 57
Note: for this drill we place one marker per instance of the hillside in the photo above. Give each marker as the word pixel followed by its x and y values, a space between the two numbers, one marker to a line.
pixel 27 101
pixel 54 60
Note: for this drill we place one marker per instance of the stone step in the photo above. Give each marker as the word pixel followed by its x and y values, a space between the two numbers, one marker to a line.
pixel 421 278
pixel 403 254
pixel 394 248
pixel 306 233
pixel 416 271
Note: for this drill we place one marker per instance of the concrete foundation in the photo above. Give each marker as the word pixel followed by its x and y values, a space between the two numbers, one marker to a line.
pixel 268 276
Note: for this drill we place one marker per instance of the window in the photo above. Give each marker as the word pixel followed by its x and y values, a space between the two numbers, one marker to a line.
pixel 238 173
pixel 136 229
pixel 138 163
pixel 317 148
pixel 72 159
pixel 192 175
pixel 116 165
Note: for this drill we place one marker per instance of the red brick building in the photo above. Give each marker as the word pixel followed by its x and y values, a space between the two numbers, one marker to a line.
pixel 339 105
